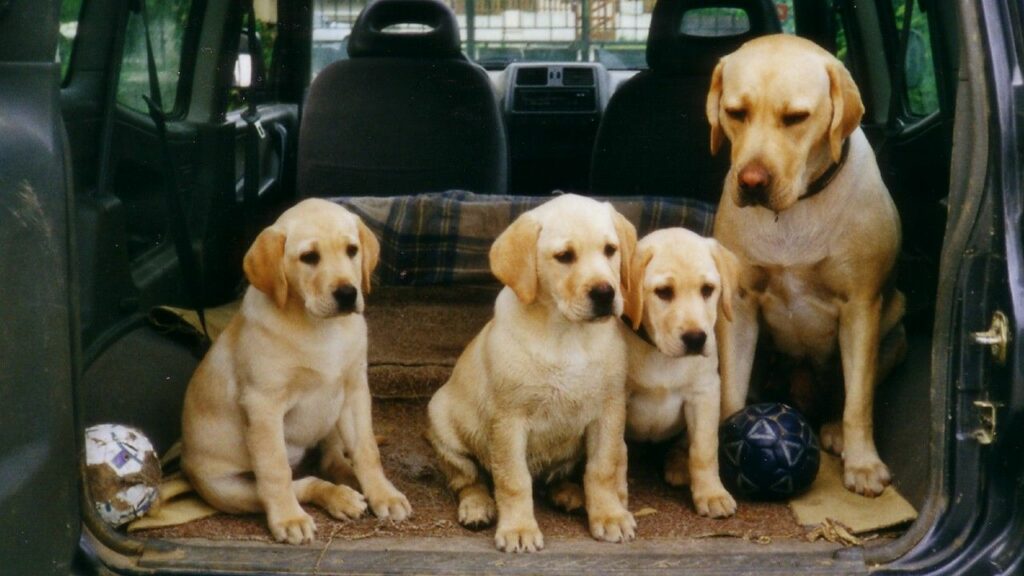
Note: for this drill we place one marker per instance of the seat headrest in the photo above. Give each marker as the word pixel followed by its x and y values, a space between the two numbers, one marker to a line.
pixel 672 50
pixel 369 38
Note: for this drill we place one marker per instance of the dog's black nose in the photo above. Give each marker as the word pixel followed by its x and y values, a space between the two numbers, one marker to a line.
pixel 346 297
pixel 694 341
pixel 753 181
pixel 603 296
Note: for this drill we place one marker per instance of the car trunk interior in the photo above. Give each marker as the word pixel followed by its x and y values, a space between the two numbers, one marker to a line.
pixel 416 335
pixel 136 371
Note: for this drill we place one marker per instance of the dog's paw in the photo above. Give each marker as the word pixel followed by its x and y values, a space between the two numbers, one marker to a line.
pixel 617 526
pixel 867 477
pixel 344 503
pixel 568 496
pixel 477 511
pixel 677 472
pixel 390 505
pixel 715 503
pixel 296 527
pixel 523 537
pixel 832 437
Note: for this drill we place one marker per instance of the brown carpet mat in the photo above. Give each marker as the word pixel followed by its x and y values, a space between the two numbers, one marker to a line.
pixel 409 463
pixel 416 334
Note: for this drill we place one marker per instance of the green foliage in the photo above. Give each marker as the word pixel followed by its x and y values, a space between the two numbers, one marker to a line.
pixel 168 21
pixel 69 11
pixel 922 89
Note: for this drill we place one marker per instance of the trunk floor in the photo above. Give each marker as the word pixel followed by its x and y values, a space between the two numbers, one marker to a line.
pixel 416 334
pixel 409 463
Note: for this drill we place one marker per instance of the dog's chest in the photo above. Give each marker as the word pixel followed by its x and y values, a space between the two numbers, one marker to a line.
pixel 658 387
pixel 572 381
pixel 319 395
pixel 799 311
pixel 568 377
pixel 655 415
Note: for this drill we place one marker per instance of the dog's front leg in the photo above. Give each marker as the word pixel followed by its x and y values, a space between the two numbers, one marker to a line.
pixel 863 471
pixel 737 343
pixel 356 424
pixel 513 487
pixel 264 437
pixel 603 479
pixel 710 498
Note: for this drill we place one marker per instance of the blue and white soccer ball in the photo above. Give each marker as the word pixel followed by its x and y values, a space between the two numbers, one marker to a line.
pixel 768 452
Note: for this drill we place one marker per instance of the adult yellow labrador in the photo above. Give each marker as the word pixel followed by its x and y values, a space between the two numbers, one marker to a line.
pixel 805 207
pixel 289 373
pixel 543 385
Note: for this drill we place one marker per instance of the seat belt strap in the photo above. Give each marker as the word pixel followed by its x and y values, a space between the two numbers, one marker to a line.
pixel 255 132
pixel 191 272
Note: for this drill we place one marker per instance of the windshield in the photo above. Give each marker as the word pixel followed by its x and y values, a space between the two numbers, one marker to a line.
pixel 496 33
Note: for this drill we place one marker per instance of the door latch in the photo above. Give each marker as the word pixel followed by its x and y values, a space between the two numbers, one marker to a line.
pixel 997 337
pixel 987 411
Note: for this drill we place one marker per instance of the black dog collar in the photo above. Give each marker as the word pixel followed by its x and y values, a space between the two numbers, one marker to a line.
pixel 641 332
pixel 822 182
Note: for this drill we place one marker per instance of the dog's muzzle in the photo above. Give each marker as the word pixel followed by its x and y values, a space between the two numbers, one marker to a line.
pixel 602 300
pixel 693 342
pixel 345 296
pixel 754 182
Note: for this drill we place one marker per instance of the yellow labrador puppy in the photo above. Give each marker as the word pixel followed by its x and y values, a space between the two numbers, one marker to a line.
pixel 543 385
pixel 679 279
pixel 289 373
pixel 805 206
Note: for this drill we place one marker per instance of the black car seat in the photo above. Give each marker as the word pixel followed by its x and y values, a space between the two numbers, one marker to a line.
pixel 654 137
pixel 407 113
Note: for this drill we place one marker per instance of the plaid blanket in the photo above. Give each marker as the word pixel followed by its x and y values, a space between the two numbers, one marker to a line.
pixel 445 238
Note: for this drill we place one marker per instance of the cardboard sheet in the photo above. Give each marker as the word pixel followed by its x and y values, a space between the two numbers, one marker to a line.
pixel 829 499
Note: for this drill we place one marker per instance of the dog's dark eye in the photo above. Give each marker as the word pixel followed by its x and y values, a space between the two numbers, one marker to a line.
pixel 610 250
pixel 312 257
pixel 566 256
pixel 666 293
pixel 738 114
pixel 352 250
pixel 707 290
pixel 794 118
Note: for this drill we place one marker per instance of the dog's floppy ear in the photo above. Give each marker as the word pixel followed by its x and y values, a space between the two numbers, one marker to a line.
pixel 847 107
pixel 371 252
pixel 634 301
pixel 729 271
pixel 714 97
pixel 514 257
pixel 626 232
pixel 264 267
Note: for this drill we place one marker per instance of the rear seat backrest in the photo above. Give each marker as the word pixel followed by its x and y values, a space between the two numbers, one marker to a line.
pixel 407 113
pixel 654 137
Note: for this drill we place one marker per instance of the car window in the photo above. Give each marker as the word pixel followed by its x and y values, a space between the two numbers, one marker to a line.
pixel 504 31
pixel 69 12
pixel 266 33
pixel 919 67
pixel 168 21
pixel 787 16
pixel 841 47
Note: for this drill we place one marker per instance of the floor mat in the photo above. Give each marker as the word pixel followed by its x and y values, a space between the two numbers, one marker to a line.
pixel 662 511
pixel 415 333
